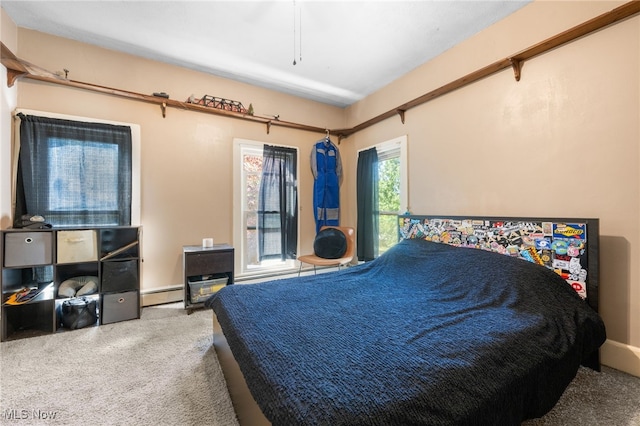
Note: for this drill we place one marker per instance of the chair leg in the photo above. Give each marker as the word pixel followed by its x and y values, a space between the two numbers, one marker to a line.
pixel 300 269
pixel 314 269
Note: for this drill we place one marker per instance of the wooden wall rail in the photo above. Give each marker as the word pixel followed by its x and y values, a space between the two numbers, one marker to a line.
pixel 514 61
pixel 17 68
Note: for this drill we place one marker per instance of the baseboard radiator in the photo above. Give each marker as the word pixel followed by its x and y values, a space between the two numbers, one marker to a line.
pixel 160 296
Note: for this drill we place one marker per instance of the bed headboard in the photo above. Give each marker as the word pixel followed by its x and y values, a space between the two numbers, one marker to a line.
pixel 567 246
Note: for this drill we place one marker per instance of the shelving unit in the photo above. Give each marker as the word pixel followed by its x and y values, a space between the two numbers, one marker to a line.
pixel 210 267
pixel 46 258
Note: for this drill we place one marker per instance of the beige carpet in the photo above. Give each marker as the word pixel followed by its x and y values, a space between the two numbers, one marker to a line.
pixel 162 370
pixel 159 370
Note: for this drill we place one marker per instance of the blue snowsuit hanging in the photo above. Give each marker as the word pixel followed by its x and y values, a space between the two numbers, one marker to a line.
pixel 327 172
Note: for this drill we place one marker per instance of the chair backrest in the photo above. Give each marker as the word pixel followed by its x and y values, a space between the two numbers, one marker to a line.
pixel 350 233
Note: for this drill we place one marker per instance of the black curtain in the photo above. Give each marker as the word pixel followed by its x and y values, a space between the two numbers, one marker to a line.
pixel 74 173
pixel 278 204
pixel 367 198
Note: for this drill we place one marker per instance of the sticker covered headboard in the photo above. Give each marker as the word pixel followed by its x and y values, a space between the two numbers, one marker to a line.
pixel 567 246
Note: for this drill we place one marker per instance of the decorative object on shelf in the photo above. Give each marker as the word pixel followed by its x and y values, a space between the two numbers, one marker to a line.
pixel 218 103
pixel 161 95
pixel 63 74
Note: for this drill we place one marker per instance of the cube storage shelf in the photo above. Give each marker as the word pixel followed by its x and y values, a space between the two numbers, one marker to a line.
pixel 46 258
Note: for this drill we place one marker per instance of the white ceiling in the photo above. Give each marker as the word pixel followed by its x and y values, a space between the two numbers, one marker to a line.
pixel 344 50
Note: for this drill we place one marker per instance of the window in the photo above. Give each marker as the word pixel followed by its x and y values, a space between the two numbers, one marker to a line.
pixel 392 189
pixel 388 198
pixel 251 174
pixel 77 173
pixel 248 161
pixel 83 176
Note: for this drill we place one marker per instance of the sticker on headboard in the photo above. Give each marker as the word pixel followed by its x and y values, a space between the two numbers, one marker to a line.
pixel 558 246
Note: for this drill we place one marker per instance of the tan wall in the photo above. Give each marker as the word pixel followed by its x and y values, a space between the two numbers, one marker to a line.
pixel 187 156
pixel 561 142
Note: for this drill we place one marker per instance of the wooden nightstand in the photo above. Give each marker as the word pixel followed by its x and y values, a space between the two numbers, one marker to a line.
pixel 206 270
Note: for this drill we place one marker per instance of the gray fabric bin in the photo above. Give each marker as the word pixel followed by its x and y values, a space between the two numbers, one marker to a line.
pixel 27 248
pixel 120 307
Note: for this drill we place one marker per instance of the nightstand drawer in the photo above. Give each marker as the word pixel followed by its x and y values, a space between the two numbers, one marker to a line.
pixel 208 263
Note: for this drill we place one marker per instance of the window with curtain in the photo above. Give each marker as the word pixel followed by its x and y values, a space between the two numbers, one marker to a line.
pixel 389 195
pixel 383 189
pixel 265 240
pixel 278 204
pixel 367 201
pixel 74 173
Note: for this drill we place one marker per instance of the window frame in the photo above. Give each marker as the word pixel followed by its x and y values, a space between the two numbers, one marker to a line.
pixel 239 242
pixel 399 143
pixel 135 155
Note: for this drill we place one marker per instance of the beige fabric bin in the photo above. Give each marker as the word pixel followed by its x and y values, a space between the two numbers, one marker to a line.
pixel 77 246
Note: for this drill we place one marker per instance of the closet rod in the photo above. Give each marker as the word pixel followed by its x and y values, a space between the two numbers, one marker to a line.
pixel 515 61
pixel 17 68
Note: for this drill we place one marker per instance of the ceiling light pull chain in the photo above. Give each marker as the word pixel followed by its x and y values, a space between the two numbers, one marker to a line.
pixel 300 30
pixel 294 32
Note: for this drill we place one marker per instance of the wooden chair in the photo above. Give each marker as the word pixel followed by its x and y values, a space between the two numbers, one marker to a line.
pixel 314 260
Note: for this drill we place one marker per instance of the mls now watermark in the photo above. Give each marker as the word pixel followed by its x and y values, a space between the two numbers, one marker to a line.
pixel 28 414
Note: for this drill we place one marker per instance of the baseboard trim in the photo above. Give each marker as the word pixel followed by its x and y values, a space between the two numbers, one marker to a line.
pixel 621 356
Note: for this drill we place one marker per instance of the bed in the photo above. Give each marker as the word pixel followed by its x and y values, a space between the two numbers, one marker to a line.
pixel 445 328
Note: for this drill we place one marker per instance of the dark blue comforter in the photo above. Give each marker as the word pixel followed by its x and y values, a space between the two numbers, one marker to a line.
pixel 427 334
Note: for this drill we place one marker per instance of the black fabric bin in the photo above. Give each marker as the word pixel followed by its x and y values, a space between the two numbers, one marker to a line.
pixel 119 275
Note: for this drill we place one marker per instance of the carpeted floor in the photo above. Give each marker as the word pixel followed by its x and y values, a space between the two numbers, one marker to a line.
pixel 162 370
pixel 159 370
pixel 608 398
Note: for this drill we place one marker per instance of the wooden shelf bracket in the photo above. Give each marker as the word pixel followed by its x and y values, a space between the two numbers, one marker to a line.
pixel 13 75
pixel 401 113
pixel 516 64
